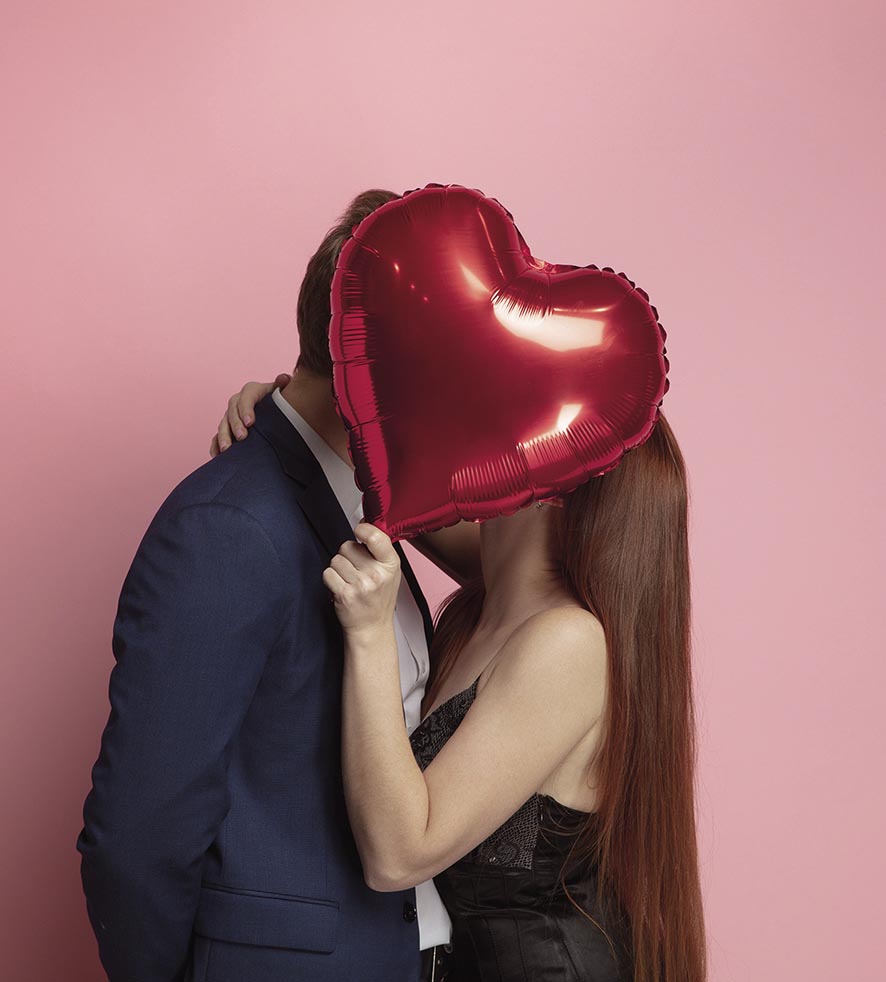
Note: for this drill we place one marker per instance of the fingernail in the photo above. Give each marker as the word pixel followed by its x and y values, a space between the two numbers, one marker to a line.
pixel 241 434
pixel 247 420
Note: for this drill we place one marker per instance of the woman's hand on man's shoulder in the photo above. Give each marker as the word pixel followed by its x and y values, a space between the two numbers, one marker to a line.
pixel 240 414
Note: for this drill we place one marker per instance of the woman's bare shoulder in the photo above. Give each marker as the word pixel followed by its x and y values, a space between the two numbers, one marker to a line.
pixel 567 623
pixel 566 642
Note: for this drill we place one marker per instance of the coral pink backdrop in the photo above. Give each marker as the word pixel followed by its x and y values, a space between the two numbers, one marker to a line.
pixel 169 167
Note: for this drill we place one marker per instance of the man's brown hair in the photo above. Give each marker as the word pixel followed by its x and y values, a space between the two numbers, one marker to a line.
pixel 313 312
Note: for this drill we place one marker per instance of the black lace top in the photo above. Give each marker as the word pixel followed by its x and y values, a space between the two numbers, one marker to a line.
pixel 511 845
pixel 517 915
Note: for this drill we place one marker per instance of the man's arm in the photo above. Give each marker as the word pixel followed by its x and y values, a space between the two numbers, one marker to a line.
pixel 202 607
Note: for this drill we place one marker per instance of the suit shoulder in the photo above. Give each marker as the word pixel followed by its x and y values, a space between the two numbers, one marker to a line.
pixel 248 479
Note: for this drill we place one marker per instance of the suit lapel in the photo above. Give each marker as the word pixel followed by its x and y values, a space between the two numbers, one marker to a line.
pixel 409 575
pixel 323 511
pixel 317 499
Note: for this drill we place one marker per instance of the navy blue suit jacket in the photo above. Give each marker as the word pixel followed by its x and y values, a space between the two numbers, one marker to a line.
pixel 216 846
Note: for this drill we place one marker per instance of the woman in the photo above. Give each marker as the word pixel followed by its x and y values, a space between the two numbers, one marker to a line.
pixel 549 787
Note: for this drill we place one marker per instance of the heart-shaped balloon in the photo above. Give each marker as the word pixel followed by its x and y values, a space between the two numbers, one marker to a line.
pixel 473 378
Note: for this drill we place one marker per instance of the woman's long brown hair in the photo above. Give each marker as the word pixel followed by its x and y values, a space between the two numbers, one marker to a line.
pixel 622 546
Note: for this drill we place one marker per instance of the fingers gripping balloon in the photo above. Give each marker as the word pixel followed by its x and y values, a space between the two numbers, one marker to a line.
pixel 474 378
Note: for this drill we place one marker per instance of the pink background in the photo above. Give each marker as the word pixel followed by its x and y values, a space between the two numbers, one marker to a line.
pixel 169 167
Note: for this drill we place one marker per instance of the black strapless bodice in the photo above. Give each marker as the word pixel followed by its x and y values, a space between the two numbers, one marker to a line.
pixel 513 918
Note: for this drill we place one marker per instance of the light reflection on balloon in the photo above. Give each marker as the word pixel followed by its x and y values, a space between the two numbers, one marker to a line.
pixel 559 332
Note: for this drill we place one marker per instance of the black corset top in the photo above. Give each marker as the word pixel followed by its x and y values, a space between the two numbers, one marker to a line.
pixel 542 828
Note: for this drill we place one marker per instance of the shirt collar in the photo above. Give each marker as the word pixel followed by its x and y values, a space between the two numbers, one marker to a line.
pixel 339 475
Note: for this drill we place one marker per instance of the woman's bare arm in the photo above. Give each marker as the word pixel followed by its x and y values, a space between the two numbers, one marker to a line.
pixel 542 697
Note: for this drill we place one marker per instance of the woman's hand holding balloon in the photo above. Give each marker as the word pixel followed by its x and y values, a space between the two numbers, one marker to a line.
pixel 364 578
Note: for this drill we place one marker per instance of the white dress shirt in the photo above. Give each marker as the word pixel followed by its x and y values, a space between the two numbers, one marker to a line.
pixel 434 926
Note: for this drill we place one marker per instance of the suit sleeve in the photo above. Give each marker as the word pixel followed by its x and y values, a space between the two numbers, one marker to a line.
pixel 201 608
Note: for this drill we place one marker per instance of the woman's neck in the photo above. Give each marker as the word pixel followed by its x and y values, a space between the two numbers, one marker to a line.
pixel 519 568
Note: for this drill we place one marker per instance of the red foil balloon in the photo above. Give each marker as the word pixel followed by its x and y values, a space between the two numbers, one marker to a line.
pixel 474 378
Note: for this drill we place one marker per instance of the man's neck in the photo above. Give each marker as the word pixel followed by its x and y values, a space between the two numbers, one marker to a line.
pixel 311 397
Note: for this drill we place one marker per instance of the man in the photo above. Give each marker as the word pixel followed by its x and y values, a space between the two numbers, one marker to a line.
pixel 216 846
